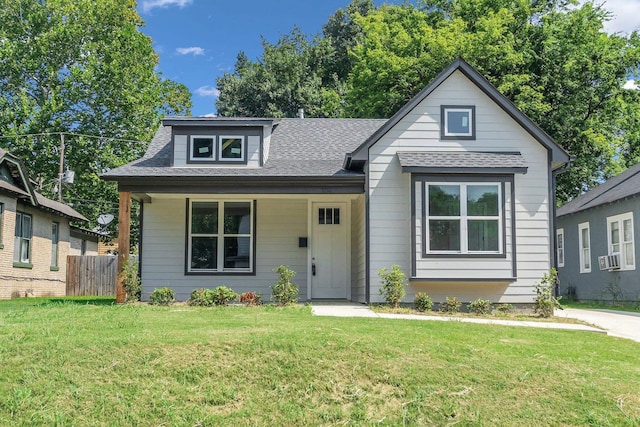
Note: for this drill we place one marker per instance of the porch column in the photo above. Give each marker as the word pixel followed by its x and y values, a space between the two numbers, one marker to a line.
pixel 124 229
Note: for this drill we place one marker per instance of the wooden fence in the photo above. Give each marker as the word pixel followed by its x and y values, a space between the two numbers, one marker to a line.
pixel 91 275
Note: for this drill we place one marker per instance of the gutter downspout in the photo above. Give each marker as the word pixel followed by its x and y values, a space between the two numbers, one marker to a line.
pixel 554 174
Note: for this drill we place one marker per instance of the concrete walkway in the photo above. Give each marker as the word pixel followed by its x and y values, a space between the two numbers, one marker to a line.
pixel 621 324
pixel 360 310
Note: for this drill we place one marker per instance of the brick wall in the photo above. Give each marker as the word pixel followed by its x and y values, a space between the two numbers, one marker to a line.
pixel 41 279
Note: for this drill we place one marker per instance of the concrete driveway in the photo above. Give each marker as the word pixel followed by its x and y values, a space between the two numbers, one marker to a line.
pixel 617 323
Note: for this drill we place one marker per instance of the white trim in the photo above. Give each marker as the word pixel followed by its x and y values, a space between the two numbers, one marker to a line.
pixel 560 247
pixel 458 110
pixel 623 245
pixel 214 143
pixel 584 250
pixel 464 218
pixel 231 159
pixel 220 235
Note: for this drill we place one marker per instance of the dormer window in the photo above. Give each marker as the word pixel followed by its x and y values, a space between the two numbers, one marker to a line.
pixel 457 122
pixel 202 148
pixel 217 149
pixel 232 148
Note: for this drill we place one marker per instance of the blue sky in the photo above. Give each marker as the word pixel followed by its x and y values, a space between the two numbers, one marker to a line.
pixel 198 40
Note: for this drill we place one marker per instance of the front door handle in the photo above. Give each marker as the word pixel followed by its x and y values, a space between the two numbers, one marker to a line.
pixel 313 268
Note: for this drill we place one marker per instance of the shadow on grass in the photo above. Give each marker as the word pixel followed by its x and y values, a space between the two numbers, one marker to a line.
pixel 76 301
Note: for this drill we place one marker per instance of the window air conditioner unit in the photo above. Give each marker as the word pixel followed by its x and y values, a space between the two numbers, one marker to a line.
pixel 609 262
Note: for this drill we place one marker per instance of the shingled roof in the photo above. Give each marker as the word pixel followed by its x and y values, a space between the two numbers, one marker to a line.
pixel 621 186
pixel 299 148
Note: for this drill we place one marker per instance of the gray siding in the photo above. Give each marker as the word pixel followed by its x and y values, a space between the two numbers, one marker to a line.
pixel 598 285
pixel 358 250
pixel 390 201
pixel 279 223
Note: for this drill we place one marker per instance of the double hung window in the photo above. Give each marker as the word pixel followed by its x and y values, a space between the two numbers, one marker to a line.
pixel 463 218
pixel 22 240
pixel 584 242
pixel 220 236
pixel 620 239
pixel 560 246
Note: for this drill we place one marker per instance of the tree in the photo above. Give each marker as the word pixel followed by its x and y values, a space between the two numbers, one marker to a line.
pixel 84 67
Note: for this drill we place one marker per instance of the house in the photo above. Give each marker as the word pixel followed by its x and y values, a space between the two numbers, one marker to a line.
pixel 596 241
pixel 83 241
pixel 456 188
pixel 34 235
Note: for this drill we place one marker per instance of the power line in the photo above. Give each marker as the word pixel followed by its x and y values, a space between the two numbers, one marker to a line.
pixel 71 134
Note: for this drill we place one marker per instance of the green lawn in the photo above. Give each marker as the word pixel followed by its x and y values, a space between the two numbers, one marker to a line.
pixel 630 307
pixel 74 363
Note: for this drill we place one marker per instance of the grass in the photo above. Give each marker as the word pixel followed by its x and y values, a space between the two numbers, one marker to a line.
pixel 633 307
pixel 84 362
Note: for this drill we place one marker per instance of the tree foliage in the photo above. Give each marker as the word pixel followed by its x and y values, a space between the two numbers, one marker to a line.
pixel 84 67
pixel 552 58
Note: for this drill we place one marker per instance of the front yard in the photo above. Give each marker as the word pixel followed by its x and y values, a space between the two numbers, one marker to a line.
pixel 73 363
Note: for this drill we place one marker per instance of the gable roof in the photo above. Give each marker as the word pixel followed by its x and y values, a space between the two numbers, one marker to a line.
pixel 558 155
pixel 619 187
pixel 27 193
pixel 299 148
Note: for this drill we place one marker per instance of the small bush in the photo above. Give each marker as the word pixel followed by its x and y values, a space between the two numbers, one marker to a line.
pixel 251 298
pixel 451 305
pixel 481 307
pixel 545 302
pixel 162 296
pixel 284 292
pixel 505 309
pixel 423 302
pixel 131 281
pixel 223 295
pixel 201 297
pixel 393 283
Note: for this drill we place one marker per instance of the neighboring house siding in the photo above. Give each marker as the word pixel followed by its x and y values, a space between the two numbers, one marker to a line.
pixel 40 280
pixel 390 200
pixel 358 250
pixel 76 247
pixel 279 224
pixel 599 285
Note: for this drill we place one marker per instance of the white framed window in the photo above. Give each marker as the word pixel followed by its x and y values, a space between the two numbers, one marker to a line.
pixel 458 122
pixel 220 236
pixel 584 244
pixel 202 148
pixel 22 240
pixel 463 218
pixel 560 247
pixel 620 239
pixel 231 149
pixel 55 236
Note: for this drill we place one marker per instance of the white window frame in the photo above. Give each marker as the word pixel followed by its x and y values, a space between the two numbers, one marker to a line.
pixel 560 247
pixel 231 159
pixel 214 148
pixel 584 251
pixel 464 218
pixel 625 246
pixel 446 109
pixel 21 240
pixel 221 235
pixel 55 240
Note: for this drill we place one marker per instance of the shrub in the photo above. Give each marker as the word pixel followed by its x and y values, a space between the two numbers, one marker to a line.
pixel 201 297
pixel 130 280
pixel 545 302
pixel 393 283
pixel 505 308
pixel 451 305
pixel 251 298
pixel 423 302
pixel 283 291
pixel 480 307
pixel 223 295
pixel 162 296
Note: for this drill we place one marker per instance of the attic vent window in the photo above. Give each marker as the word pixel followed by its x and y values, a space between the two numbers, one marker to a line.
pixel 458 122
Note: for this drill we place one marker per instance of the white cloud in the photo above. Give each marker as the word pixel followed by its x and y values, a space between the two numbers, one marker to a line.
pixel 624 17
pixel 208 91
pixel 193 50
pixel 147 5
pixel 210 115
pixel 631 84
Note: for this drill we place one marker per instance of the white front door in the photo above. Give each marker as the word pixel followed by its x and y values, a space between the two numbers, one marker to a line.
pixel 329 257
